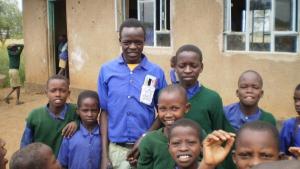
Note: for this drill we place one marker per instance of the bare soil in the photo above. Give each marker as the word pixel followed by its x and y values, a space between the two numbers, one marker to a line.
pixel 12 117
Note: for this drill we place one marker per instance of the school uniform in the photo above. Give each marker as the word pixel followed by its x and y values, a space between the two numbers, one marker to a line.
pixel 43 126
pixel 154 152
pixel 207 111
pixel 119 90
pixel 290 135
pixel 237 118
pixel 82 150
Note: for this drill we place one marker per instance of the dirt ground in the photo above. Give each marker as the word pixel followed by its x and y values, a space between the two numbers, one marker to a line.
pixel 12 117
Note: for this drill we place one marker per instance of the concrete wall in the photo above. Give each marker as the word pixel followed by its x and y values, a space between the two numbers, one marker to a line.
pixel 35 40
pixel 93 40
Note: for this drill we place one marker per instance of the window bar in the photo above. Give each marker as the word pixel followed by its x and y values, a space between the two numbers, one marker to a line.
pixel 247 38
pixel 154 24
pixel 272 26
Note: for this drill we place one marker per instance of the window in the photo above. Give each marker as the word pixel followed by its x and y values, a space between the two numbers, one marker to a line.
pixel 261 25
pixel 154 14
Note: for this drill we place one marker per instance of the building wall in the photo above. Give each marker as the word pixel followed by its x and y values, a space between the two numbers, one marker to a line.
pixel 93 40
pixel 35 40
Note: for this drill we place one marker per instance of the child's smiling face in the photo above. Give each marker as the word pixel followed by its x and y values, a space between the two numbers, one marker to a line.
pixel 185 146
pixel 255 147
pixel 171 107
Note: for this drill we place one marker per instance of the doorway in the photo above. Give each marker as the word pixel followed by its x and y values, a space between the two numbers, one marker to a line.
pixel 57 27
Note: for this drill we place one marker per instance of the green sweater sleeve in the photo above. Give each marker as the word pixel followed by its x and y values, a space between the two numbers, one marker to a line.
pixel 145 160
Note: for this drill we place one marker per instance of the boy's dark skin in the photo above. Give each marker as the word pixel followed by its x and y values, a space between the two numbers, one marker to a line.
pixel 249 92
pixel 132 40
pixel 3 160
pixel 58 91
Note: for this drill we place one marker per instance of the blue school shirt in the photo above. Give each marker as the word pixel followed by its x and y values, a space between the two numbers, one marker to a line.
pixel 27 137
pixel 82 150
pixel 119 90
pixel 237 118
pixel 289 135
pixel 193 90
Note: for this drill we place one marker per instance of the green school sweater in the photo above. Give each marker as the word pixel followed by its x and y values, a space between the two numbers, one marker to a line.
pixel 267 117
pixel 48 130
pixel 207 111
pixel 154 152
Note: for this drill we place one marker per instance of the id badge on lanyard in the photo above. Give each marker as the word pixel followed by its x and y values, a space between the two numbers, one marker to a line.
pixel 148 89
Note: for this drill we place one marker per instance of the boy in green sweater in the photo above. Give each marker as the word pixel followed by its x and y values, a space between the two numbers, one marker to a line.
pixel 48 124
pixel 249 92
pixel 206 104
pixel 172 105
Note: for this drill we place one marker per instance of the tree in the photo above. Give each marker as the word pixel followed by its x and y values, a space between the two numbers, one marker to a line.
pixel 10 20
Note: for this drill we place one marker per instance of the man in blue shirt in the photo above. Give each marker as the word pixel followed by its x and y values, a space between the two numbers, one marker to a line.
pixel 127 89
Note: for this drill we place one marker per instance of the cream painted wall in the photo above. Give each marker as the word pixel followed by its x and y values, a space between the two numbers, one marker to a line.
pixel 93 40
pixel 35 40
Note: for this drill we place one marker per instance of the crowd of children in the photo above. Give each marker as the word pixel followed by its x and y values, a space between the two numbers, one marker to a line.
pixel 118 127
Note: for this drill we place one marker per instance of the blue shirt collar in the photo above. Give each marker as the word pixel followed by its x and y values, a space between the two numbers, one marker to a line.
pixel 85 132
pixel 193 90
pixel 245 119
pixel 61 114
pixel 143 64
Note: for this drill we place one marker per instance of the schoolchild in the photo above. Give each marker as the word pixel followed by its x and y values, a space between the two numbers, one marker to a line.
pixel 185 144
pixel 48 124
pixel 206 104
pixel 256 142
pixel 172 105
pixel 290 132
pixel 127 88
pixel 14 52
pixel 249 92
pixel 34 156
pixel 83 149
pixel 281 164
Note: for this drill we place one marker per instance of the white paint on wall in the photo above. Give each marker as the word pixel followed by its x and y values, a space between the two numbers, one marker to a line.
pixel 77 60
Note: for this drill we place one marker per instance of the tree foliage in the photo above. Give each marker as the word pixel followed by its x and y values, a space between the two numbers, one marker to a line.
pixel 10 20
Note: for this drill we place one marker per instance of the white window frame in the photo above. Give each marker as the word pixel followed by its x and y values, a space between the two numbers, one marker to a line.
pixel 163 16
pixel 273 32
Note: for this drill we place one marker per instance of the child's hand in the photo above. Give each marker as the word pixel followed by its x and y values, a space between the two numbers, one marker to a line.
pixel 295 151
pixel 134 153
pixel 213 151
pixel 69 129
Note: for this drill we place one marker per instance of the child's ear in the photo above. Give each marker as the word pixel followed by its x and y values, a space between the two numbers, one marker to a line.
pixel 233 156
pixel 237 92
pixel 202 67
pixel 262 93
pixel 187 107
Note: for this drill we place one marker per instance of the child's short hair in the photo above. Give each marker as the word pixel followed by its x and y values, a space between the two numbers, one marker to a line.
pixel 88 94
pixel 172 88
pixel 60 77
pixel 191 48
pixel 259 126
pixel 254 72
pixel 297 87
pixel 29 157
pixel 281 164
pixel 186 123
pixel 131 23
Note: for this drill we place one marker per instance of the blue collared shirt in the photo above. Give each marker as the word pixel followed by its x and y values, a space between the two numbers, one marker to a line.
pixel 82 150
pixel 27 137
pixel 119 91
pixel 193 90
pixel 289 135
pixel 237 118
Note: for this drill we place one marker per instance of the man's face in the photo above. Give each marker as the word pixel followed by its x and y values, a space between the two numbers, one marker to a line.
pixel 132 42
